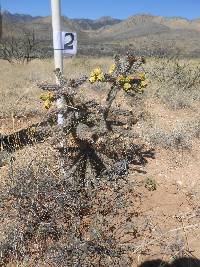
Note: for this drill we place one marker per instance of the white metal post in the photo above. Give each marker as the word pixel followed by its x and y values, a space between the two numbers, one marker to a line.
pixel 58 61
pixel 57 44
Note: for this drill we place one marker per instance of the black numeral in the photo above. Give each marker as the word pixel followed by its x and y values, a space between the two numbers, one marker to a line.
pixel 69 45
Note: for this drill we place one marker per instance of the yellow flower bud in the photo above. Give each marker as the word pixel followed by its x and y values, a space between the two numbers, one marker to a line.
pixel 97 75
pixel 128 79
pixel 97 71
pixel 112 69
pixel 100 77
pixel 127 86
pixel 32 129
pixel 144 84
pixel 48 96
pixel 92 79
pixel 43 97
pixel 51 96
pixel 142 76
pixel 47 104
pixel 121 79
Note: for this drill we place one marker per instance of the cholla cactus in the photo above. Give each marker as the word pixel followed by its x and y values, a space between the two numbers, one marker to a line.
pixel 87 123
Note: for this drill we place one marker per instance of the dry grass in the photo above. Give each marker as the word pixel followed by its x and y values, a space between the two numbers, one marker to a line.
pixel 19 93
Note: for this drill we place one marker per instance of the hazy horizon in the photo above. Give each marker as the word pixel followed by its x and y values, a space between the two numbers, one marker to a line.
pixel 188 9
pixel 103 16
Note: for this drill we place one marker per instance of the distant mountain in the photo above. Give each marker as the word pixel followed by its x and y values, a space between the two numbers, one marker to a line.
pixel 17 24
pixel 88 24
pixel 80 24
pixel 143 33
pixel 145 25
pixel 43 27
pixel 151 35
pixel 15 18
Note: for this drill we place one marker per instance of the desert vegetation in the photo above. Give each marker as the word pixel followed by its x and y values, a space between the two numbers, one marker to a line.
pixel 122 186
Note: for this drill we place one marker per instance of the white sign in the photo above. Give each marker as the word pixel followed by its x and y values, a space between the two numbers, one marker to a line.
pixel 69 43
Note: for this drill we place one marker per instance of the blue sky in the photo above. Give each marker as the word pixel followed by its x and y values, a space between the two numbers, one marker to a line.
pixel 115 8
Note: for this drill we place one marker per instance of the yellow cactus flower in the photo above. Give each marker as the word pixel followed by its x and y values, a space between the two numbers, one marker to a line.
pixel 47 104
pixel 32 129
pixel 43 97
pixel 127 86
pixel 112 69
pixel 92 79
pixel 142 76
pixel 121 79
pixel 97 71
pixel 144 84
pixel 51 97
pixel 48 96
pixel 128 79
pixel 101 77
pixel 97 75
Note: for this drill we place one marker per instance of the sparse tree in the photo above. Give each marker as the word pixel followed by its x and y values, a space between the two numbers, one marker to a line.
pixel 19 50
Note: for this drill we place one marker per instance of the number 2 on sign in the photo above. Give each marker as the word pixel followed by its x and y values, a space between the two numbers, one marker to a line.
pixel 69 39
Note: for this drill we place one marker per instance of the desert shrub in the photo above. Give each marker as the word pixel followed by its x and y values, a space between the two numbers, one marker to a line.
pixel 150 184
pixel 193 127
pixel 180 137
pixel 175 83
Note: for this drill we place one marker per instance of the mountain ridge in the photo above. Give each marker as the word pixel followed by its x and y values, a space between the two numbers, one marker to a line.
pixel 103 19
pixel 107 35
